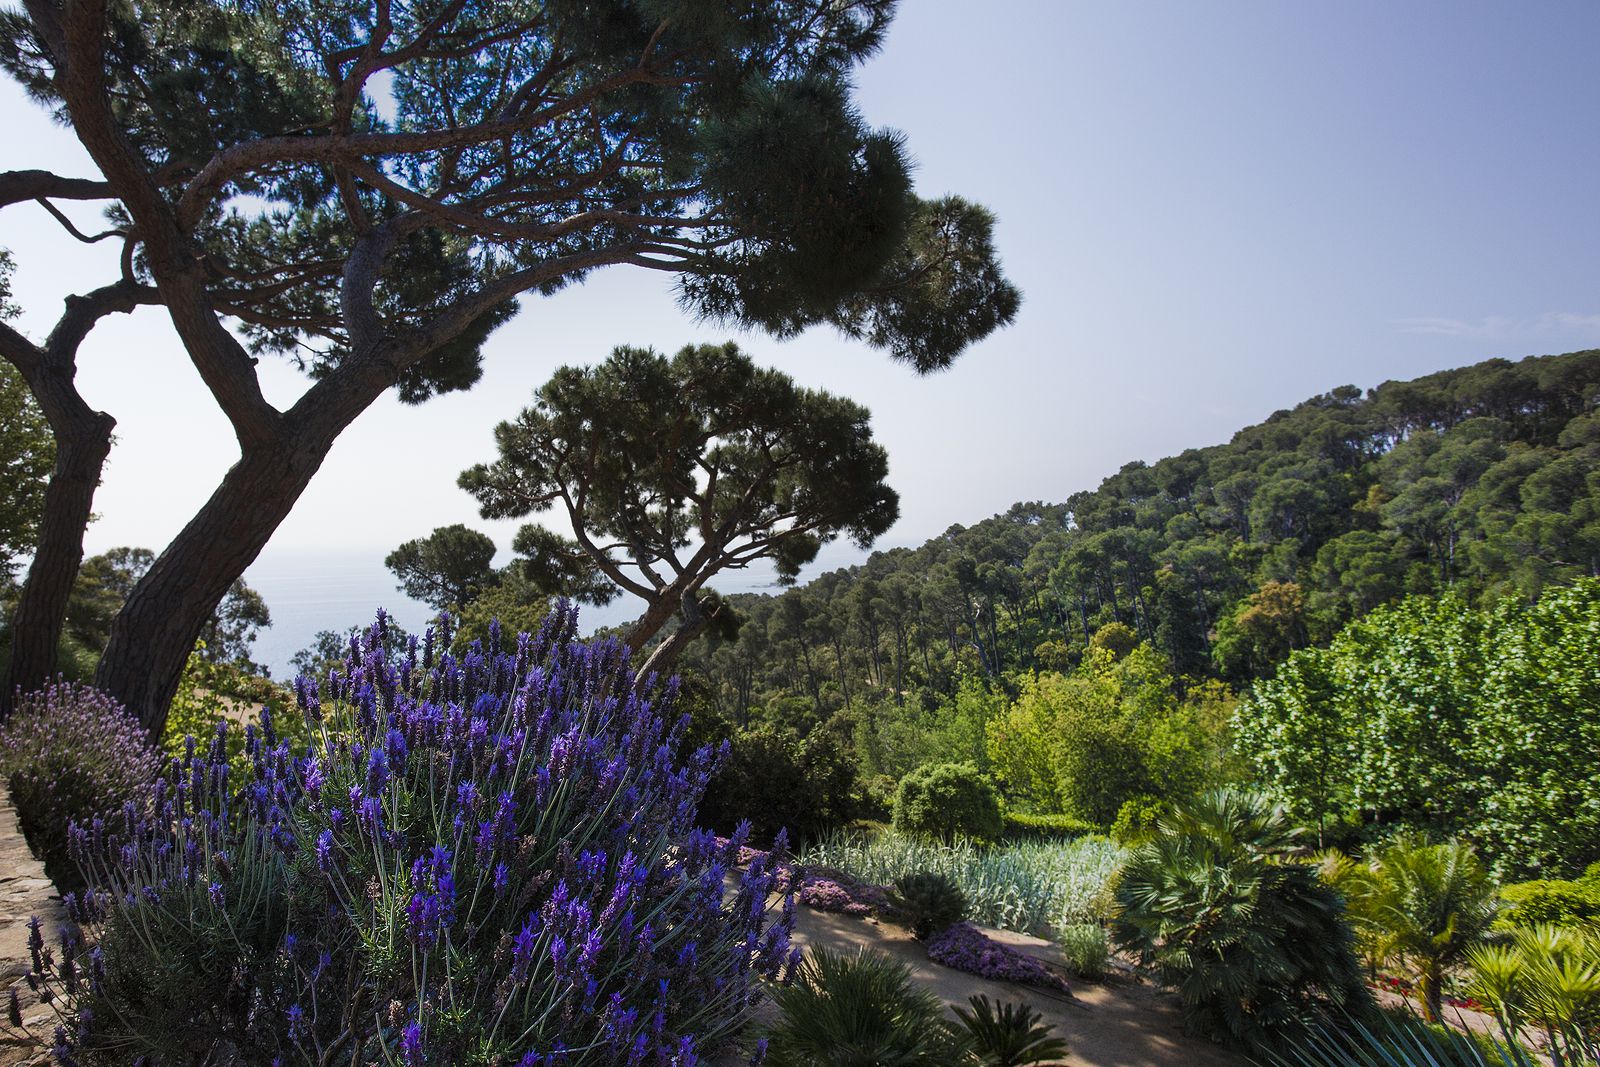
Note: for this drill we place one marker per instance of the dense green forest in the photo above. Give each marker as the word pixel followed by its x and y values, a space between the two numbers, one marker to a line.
pixel 1105 658
pixel 1225 559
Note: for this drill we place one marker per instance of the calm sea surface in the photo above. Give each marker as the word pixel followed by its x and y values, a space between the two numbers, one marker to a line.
pixel 308 591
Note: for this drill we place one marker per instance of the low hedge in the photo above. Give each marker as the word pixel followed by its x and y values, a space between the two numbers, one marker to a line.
pixel 1553 900
pixel 1021 826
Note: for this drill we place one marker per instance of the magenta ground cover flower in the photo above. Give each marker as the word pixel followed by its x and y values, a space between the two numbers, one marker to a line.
pixel 966 948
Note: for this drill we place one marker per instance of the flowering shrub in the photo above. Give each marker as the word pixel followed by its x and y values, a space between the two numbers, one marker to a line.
pixel 70 752
pixel 966 948
pixel 838 892
pixel 488 859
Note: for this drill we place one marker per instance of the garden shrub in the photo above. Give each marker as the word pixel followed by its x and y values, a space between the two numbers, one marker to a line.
pixel 1255 942
pixel 483 859
pixel 69 753
pixel 1086 949
pixel 1027 826
pixel 778 780
pixel 1558 901
pixel 861 1009
pixel 927 902
pixel 948 800
pixel 1137 819
pixel 1010 1036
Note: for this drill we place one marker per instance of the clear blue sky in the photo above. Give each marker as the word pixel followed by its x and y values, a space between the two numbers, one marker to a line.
pixel 1215 210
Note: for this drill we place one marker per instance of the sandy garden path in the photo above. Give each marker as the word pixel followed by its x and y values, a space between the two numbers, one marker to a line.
pixel 1120 1023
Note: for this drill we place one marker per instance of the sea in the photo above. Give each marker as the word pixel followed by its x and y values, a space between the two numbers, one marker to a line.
pixel 308 591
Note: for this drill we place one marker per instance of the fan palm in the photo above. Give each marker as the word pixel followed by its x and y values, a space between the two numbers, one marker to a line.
pixel 859 1010
pixel 1253 941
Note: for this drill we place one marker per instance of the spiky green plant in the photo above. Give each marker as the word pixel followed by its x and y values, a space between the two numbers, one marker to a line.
pixel 1395 1041
pixel 1010 1035
pixel 927 902
pixel 1545 976
pixel 1433 903
pixel 859 1011
pixel 1216 906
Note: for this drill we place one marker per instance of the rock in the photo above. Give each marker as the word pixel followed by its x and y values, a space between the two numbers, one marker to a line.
pixel 24 892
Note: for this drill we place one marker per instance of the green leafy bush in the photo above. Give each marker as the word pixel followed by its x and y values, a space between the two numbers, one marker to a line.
pixel 1086 949
pixel 70 753
pixel 1353 733
pixel 1026 826
pixel 1255 942
pixel 780 781
pixel 1009 1037
pixel 859 1011
pixel 1559 901
pixel 947 801
pixel 928 902
pixel 1137 819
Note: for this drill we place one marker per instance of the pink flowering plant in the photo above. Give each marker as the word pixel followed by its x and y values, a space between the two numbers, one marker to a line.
pixel 966 948
pixel 483 859
pixel 834 891
pixel 69 753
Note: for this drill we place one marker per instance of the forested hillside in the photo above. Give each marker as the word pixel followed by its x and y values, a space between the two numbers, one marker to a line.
pixel 1224 559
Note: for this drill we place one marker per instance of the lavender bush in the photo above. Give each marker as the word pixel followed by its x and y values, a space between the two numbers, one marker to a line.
pixel 967 948
pixel 70 752
pixel 488 859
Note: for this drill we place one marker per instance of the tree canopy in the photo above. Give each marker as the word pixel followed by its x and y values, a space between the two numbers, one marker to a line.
pixel 368 189
pixel 1434 716
pixel 1224 559
pixel 672 470
pixel 447 569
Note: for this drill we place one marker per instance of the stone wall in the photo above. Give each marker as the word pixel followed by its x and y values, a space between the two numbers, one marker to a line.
pixel 24 892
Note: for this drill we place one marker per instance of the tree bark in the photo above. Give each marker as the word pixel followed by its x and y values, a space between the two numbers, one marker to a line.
pixel 153 634
pixel 83 440
pixel 692 623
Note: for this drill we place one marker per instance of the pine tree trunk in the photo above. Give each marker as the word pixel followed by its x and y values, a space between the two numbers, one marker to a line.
pixel 153 634
pixel 82 445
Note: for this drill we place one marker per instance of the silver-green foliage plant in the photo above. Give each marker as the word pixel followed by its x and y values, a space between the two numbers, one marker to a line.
pixel 1035 887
